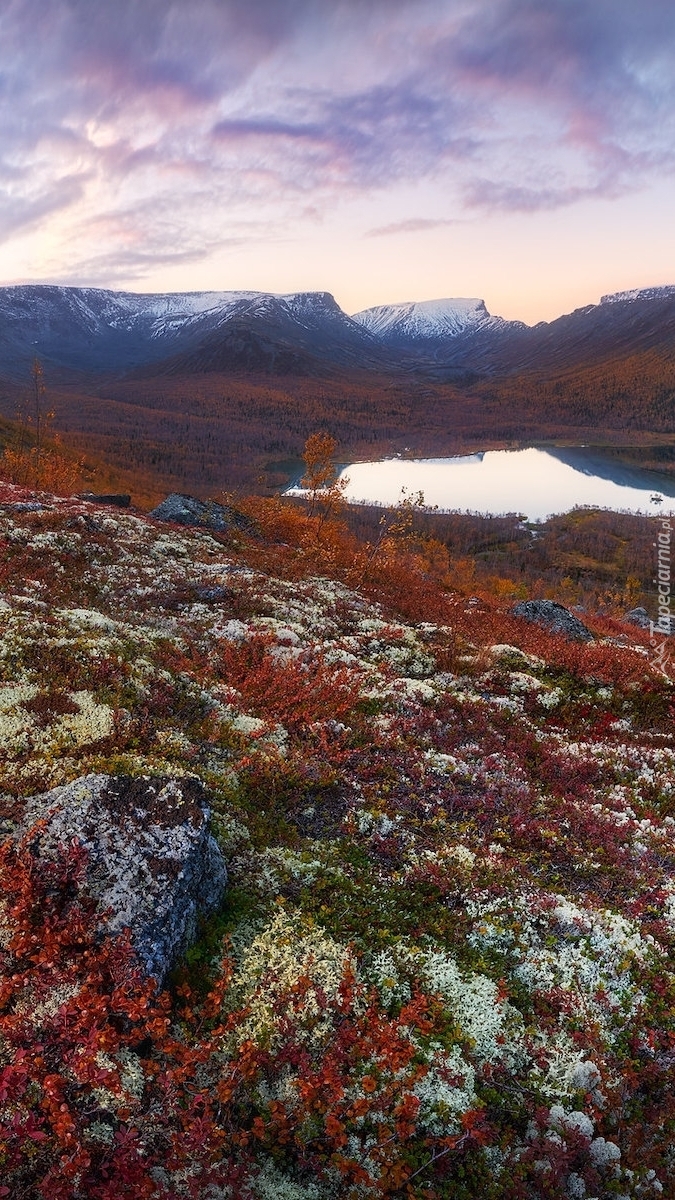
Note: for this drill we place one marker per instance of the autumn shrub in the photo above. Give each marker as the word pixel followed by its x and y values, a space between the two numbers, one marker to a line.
pixel 410 584
pixel 72 1008
pixel 296 689
pixel 51 471
pixel 98 1097
pixel 442 968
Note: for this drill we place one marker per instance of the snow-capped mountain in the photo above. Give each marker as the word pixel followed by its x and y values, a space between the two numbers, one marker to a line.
pixel 426 320
pixel 96 329
pixel 160 313
pixel 652 293
pixel 307 333
pixel 304 333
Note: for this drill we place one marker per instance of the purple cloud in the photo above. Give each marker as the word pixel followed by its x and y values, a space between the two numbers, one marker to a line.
pixel 267 129
pixel 369 138
pixel 216 111
pixel 411 225
pixel 602 72
pixel 18 214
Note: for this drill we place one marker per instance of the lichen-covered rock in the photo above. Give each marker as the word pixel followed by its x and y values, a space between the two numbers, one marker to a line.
pixel 152 862
pixel 554 617
pixel 187 510
pixel 639 617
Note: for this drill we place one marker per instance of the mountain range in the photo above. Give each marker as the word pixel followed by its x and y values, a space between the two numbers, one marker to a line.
pixel 203 391
pixel 308 334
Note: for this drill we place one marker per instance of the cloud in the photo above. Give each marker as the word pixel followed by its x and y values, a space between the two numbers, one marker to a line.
pixel 266 128
pixel 580 91
pixel 411 225
pixel 126 244
pixel 493 196
pixel 21 213
pixel 212 111
pixel 369 138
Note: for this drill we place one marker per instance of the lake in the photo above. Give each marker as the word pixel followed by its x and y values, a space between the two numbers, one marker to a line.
pixel 535 482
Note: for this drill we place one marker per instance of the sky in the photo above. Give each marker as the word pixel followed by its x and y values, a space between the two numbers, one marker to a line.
pixel 520 151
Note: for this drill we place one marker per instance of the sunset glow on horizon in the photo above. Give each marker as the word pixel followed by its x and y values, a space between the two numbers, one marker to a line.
pixel 520 151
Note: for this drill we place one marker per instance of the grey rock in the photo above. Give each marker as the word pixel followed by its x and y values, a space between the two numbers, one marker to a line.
pixel 187 510
pixel 639 617
pixel 118 499
pixel 213 595
pixel 152 862
pixel 25 506
pixel 554 617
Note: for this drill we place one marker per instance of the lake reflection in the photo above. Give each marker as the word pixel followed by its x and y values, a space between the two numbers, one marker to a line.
pixel 537 483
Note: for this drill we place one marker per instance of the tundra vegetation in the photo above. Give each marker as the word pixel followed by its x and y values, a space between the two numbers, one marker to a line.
pixel 444 963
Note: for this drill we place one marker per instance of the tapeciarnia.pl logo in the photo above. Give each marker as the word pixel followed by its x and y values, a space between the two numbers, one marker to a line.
pixel 663 579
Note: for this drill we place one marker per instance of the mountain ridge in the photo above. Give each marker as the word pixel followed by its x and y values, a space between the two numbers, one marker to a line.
pixel 308 333
pixel 104 330
pixel 428 320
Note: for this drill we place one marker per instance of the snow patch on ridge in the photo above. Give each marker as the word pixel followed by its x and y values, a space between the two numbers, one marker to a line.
pixel 155 312
pixel 651 293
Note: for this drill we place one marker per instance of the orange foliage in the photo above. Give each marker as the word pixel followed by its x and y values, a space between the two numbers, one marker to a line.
pixel 52 472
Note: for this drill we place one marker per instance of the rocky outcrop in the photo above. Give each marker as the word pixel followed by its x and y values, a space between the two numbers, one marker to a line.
pixel 554 617
pixel 639 617
pixel 153 866
pixel 117 499
pixel 187 510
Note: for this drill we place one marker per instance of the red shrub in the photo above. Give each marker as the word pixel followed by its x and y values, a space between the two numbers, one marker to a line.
pixel 296 691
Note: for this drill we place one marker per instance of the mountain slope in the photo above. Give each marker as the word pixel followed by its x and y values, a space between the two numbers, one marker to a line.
pixel 303 334
pixel 444 963
pixel 620 325
pixel 463 334
pixel 91 328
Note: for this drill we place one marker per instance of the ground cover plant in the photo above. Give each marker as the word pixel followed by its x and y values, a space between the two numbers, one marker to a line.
pixel 443 967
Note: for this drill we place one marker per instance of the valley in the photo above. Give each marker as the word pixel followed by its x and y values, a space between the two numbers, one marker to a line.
pixel 443 959
pixel 216 391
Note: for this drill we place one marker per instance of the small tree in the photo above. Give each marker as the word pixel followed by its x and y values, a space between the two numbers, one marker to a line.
pixel 326 491
pixel 396 530
pixel 38 378
pixel 35 459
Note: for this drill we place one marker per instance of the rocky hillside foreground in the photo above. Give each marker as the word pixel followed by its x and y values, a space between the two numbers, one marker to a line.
pixel 443 966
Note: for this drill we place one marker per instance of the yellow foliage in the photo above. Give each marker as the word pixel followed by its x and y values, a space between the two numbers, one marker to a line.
pixel 51 471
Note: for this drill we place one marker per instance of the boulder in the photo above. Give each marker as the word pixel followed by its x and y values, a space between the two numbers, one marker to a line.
pixel 152 862
pixel 554 617
pixel 118 499
pixel 639 617
pixel 187 510
pixel 214 594
pixel 24 506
